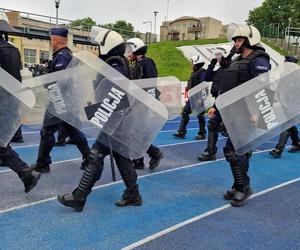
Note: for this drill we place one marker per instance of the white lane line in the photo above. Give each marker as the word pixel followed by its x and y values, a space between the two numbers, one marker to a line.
pixel 39 130
pixel 91 139
pixel 85 128
pixel 117 182
pixel 199 217
pixel 160 146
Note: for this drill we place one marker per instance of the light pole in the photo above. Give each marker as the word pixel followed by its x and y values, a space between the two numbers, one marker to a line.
pixel 289 28
pixel 167 21
pixel 150 30
pixel 168 4
pixel 155 14
pixel 57 2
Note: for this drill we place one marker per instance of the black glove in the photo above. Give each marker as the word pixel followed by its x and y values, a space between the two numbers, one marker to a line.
pixel 232 52
pixel 214 61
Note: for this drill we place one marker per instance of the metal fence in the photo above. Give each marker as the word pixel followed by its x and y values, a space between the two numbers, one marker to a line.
pixel 285 38
pixel 28 21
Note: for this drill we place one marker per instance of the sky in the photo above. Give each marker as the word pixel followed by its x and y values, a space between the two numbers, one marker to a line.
pixel 138 11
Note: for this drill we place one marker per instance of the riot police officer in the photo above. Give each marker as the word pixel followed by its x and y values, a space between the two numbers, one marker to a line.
pixel 61 58
pixel 291 132
pixel 252 61
pixel 222 59
pixel 198 75
pixel 10 61
pixel 143 67
pixel 111 49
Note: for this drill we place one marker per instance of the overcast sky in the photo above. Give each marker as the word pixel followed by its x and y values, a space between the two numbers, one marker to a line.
pixel 138 11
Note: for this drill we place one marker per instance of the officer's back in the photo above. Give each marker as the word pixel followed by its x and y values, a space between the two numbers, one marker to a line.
pixel 10 59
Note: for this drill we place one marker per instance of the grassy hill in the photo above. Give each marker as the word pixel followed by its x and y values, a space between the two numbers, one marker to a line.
pixel 171 61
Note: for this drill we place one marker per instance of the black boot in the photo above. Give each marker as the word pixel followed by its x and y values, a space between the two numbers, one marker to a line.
pixel 241 190
pixel 294 149
pixel 30 178
pixel 130 197
pixel 240 197
pixel 18 137
pixel 200 137
pixel 41 167
pixel 182 128
pixel 180 134
pixel 206 156
pixel 276 153
pixel 283 138
pixel 72 200
pixel 91 174
pixel 138 163
pixel 155 161
pixel 210 153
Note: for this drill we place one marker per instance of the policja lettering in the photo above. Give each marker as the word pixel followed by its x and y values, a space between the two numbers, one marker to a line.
pixel 266 109
pixel 107 107
pixel 57 99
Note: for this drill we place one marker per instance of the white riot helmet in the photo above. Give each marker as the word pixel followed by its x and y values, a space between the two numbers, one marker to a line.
pixel 249 32
pixel 108 40
pixel 197 60
pixel 138 46
pixel 221 51
pixel 4 23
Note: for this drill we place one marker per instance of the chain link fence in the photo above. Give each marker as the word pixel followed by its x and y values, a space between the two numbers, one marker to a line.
pixel 287 39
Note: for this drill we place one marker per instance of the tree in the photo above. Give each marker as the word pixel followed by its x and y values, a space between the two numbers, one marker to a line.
pixel 122 27
pixel 275 12
pixel 85 23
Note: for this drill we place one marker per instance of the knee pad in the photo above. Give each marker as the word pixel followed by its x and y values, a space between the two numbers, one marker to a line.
pixel 230 156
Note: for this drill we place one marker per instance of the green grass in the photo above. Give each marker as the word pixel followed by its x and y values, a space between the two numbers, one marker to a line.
pixel 277 49
pixel 171 61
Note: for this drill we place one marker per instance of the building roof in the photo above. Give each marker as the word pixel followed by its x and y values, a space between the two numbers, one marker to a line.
pixel 185 18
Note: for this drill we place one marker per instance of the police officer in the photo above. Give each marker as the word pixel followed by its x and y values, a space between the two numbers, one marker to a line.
pixel 61 58
pixel 13 68
pixel 10 61
pixel 198 75
pixel 143 67
pixel 252 61
pixel 291 132
pixel 221 60
pixel 112 49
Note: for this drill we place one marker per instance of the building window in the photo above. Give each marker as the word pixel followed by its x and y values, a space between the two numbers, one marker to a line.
pixel 44 55
pixel 29 55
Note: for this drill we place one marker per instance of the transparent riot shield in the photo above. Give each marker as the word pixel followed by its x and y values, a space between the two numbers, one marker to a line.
pixel 89 90
pixel 261 108
pixel 15 102
pixel 200 97
pixel 165 89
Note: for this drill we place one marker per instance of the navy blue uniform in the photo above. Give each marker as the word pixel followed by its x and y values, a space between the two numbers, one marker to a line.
pixel 214 76
pixel 240 71
pixel 93 170
pixel 61 59
pixel 10 61
pixel 145 68
pixel 196 78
